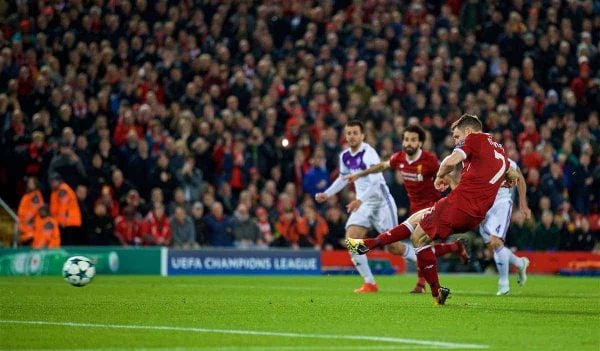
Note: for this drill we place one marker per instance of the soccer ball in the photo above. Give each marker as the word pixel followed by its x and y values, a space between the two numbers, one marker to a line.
pixel 78 271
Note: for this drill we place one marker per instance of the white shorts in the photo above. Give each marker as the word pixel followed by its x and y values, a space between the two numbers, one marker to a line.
pixel 496 221
pixel 379 214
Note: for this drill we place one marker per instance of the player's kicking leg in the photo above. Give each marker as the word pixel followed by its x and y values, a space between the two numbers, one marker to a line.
pixel 402 232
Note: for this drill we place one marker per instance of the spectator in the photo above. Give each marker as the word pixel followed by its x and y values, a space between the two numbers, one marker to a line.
pixel 139 168
pixel 289 227
pixel 246 232
pixel 316 228
pixel 29 206
pixel 581 178
pixel 178 200
pixel 184 232
pixel 128 227
pixel 162 177
pixel 584 239
pixel 265 227
pixel 119 186
pixel 68 165
pixel 155 229
pixel 552 184
pixel 110 203
pixel 35 152
pixel 199 224
pixel 546 235
pixel 316 178
pixel 46 234
pixel 64 207
pixel 336 222
pixel 102 228
pixel 190 179
pixel 220 226
pixel 520 233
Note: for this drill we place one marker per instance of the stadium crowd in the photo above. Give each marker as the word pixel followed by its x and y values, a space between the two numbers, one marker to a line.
pixel 214 123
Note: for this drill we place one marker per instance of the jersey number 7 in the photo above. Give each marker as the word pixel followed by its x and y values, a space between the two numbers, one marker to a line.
pixel 502 169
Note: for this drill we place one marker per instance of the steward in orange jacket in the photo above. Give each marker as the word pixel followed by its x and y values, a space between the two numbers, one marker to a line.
pixel 65 209
pixel 45 234
pixel 30 203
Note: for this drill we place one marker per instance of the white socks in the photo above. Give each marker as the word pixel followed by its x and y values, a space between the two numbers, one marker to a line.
pixel 514 260
pixel 362 266
pixel 501 256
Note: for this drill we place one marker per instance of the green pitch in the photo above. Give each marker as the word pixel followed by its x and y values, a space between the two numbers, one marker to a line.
pixel 296 313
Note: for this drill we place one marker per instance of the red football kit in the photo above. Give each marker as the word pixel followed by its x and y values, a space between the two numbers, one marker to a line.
pixel 484 167
pixel 418 176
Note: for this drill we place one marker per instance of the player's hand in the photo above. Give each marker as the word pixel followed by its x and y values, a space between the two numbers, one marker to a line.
pixel 351 178
pixel 353 206
pixel 440 184
pixel 321 197
pixel 525 210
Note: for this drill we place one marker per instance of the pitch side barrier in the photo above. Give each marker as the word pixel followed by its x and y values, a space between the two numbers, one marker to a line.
pixel 168 262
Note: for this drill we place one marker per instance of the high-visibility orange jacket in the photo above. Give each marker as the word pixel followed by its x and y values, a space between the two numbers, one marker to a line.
pixel 64 206
pixel 27 211
pixel 45 234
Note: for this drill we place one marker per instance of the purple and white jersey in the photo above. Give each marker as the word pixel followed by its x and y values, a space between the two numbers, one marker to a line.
pixel 364 158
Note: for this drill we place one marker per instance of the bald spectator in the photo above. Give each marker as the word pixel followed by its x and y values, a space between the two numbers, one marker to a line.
pixel 246 232
pixel 184 232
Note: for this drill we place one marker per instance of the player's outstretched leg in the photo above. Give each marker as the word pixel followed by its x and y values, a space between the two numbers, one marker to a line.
pixel 398 233
pixel 420 286
pixel 357 246
pixel 457 247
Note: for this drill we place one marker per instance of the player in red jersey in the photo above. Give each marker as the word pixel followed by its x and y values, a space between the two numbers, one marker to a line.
pixel 418 168
pixel 485 167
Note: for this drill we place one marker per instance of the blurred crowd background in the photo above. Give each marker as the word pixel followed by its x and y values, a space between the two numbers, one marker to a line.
pixel 214 123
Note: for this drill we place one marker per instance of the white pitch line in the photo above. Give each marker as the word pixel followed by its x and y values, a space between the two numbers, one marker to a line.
pixel 251 348
pixel 442 344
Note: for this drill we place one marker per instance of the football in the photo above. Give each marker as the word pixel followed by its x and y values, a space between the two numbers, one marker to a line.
pixel 78 271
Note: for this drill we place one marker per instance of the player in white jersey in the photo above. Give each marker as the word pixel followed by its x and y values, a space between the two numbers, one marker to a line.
pixel 493 231
pixel 373 207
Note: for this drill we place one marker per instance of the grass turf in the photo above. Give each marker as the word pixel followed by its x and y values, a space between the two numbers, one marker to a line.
pixel 312 313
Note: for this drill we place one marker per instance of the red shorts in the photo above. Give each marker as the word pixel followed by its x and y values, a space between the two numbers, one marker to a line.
pixel 445 219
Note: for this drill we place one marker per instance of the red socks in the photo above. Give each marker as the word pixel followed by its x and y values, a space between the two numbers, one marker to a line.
pixel 427 262
pixel 443 248
pixel 420 279
pixel 399 232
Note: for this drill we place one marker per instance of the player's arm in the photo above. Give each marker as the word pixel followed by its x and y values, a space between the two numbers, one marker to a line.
pixel 378 168
pixel 339 184
pixel 522 191
pixel 446 167
pixel 453 178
